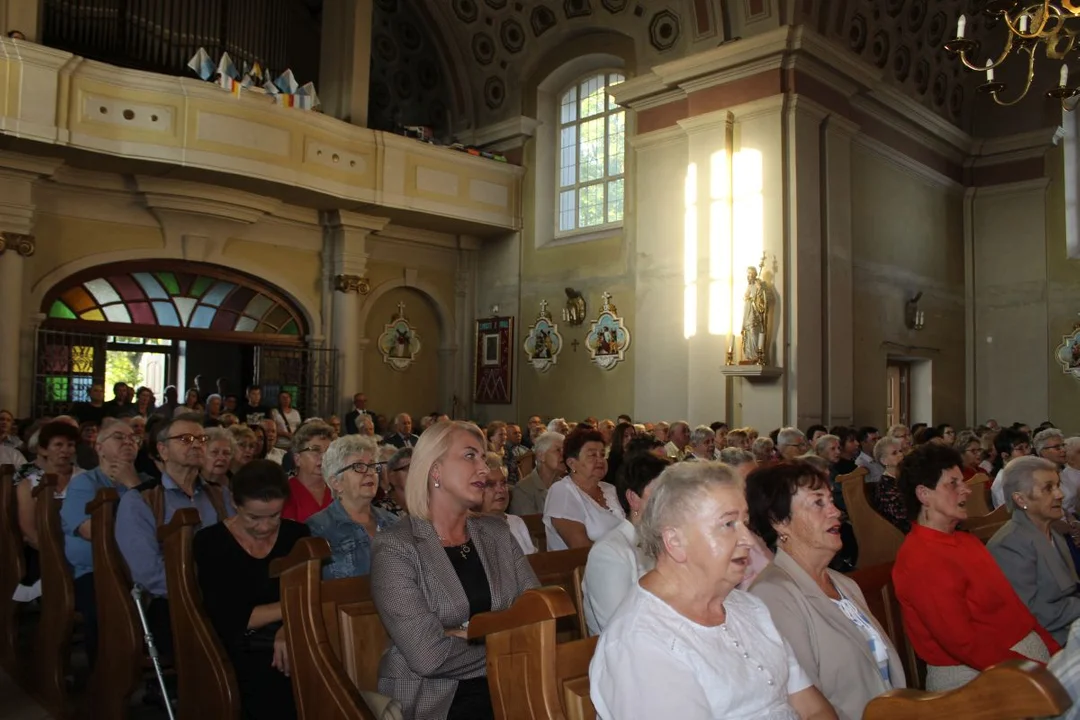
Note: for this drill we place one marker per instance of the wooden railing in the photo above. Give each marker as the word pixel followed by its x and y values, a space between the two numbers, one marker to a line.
pixel 162 35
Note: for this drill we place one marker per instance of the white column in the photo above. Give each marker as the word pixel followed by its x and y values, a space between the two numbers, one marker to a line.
pixel 345 60
pixel 345 264
pixel 13 248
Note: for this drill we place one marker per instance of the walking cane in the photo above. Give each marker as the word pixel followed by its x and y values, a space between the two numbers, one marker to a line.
pixel 137 593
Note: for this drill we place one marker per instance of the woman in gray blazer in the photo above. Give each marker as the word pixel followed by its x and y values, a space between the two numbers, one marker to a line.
pixel 434 570
pixel 821 613
pixel 1033 555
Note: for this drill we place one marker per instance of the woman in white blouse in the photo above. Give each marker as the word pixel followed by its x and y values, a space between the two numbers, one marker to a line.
pixel 497 497
pixel 686 643
pixel 821 613
pixel 287 419
pixel 581 508
pixel 616 562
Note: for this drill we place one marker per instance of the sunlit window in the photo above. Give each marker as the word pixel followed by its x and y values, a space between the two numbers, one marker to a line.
pixel 591 155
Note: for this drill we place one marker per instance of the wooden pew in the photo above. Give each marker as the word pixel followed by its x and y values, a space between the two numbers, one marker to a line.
pixel 535 524
pixel 557 568
pixel 1011 690
pixel 978 503
pixel 52 648
pixel 984 526
pixel 877 587
pixel 530 674
pixel 12 567
pixel 120 658
pixel 879 540
pixel 317 613
pixel 207 681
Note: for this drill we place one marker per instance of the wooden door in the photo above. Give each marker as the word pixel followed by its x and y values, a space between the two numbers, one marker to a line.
pixel 897 393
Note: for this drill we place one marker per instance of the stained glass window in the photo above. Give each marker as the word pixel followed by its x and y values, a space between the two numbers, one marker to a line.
pixel 197 300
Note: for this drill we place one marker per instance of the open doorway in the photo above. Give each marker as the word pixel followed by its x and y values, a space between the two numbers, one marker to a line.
pixel 140 362
pixel 909 391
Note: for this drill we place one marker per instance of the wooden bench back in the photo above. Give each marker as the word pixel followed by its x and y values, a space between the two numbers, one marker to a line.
pixel 52 649
pixel 325 685
pixel 207 681
pixel 978 503
pixel 879 540
pixel 1011 690
pixel 12 568
pixel 120 653
pixel 530 674
pixel 557 568
pixel 877 587
pixel 535 524
pixel 984 526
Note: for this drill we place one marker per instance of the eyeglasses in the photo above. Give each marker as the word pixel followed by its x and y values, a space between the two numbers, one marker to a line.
pixel 362 468
pixel 400 468
pixel 189 439
pixel 1052 447
pixel 122 438
pixel 497 484
pixel 314 449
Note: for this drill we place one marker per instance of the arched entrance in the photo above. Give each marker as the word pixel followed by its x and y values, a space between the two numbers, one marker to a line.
pixel 162 322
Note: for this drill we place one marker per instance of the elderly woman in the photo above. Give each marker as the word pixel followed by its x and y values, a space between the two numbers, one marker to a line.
pixel 497 497
pixel 246 445
pixel 791 443
pixel 1033 555
pixel 437 568
pixel 396 470
pixel 351 470
pixel 821 613
pixel 308 493
pixel 969 446
pixel 529 495
pixel 581 508
pixel 243 602
pixel 217 461
pixel 764 450
pixel 885 495
pixel 686 643
pixel 213 408
pixel 616 562
pixel 742 460
pixel 702 444
pixel 960 612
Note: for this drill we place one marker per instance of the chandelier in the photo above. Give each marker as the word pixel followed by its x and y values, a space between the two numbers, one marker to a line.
pixel 1051 24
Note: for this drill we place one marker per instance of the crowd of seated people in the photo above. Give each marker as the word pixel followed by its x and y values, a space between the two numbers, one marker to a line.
pixel 712 577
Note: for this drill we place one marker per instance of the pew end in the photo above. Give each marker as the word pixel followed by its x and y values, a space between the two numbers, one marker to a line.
pixel 52 647
pixel 303 552
pixel 879 540
pixel 538 605
pixel 1011 690
pixel 984 526
pixel 12 569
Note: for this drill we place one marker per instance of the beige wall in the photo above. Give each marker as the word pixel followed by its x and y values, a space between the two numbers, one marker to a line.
pixel 907 237
pixel 1063 302
pixel 416 389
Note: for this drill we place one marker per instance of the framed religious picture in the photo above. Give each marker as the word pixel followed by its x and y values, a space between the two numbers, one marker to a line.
pixel 494 360
pixel 608 338
pixel 399 343
pixel 1068 353
pixel 543 342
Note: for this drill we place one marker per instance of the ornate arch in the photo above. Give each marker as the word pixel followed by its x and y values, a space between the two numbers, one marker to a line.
pixel 174 298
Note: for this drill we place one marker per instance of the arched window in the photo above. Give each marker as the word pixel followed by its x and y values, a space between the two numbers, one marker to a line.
pixel 590 161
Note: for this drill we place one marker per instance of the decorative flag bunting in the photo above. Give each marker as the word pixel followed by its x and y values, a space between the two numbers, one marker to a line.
pixel 284 90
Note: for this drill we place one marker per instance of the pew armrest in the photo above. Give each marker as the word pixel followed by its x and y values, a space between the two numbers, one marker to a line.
pixel 545 603
pixel 304 551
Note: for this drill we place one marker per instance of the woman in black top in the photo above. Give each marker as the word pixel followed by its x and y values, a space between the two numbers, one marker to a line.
pixel 232 559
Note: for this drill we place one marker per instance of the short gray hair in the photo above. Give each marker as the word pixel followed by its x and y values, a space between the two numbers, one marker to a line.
pixel 307 431
pixel 675 496
pixel 166 429
pixel 554 424
pixel 789 436
pixel 891 432
pixel 817 461
pixel 737 456
pixel 1071 443
pixel 544 443
pixel 218 434
pixel 677 424
pixel 346 445
pixel 1020 476
pixel 700 434
pixel 821 442
pixel 1043 438
pixel 882 446
pixel 396 459
pixel 965 438
pixel 762 447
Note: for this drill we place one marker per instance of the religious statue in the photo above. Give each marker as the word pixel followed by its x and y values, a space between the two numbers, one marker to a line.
pixel 755 326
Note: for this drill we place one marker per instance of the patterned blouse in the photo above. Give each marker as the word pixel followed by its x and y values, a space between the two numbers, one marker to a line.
pixel 886 498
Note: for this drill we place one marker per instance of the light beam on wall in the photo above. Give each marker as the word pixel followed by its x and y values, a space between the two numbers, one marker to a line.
pixel 719 243
pixel 690 253
pixel 748 223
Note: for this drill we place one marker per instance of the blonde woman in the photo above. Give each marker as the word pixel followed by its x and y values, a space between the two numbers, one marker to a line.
pixel 434 570
pixel 245 446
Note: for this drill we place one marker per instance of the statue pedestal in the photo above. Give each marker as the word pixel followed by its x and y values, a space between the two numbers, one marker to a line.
pixel 753 373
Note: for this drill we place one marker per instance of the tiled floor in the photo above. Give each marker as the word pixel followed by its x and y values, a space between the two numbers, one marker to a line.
pixel 17 705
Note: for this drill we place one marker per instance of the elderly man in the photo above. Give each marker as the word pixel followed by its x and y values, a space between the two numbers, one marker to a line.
pixel 403 434
pixel 678 439
pixel 867 437
pixel 607 429
pixel 660 430
pixel 116 448
pixel 354 416
pixel 1050 444
pixel 181 443
pixel 559 425
pixel 791 443
pixel 274 453
pixel 702 444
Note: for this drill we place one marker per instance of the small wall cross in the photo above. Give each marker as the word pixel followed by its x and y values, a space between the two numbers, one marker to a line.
pixel 543 308
pixel 575 345
pixel 401 309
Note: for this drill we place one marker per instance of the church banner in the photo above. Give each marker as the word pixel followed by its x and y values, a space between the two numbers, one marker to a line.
pixel 494 360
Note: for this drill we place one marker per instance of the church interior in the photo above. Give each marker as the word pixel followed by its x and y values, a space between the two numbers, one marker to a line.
pixel 763 215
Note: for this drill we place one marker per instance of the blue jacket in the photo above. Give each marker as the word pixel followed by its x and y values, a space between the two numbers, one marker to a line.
pixel 350 543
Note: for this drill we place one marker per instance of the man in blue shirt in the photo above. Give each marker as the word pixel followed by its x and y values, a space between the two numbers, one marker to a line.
pixel 116 447
pixel 181 443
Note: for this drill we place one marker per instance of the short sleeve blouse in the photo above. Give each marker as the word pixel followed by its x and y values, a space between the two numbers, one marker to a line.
pixel 652 662
pixel 567 501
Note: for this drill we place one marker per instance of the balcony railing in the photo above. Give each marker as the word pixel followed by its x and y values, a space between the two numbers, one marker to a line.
pixel 162 35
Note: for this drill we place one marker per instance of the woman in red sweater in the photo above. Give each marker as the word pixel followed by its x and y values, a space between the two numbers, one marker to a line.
pixel 960 612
